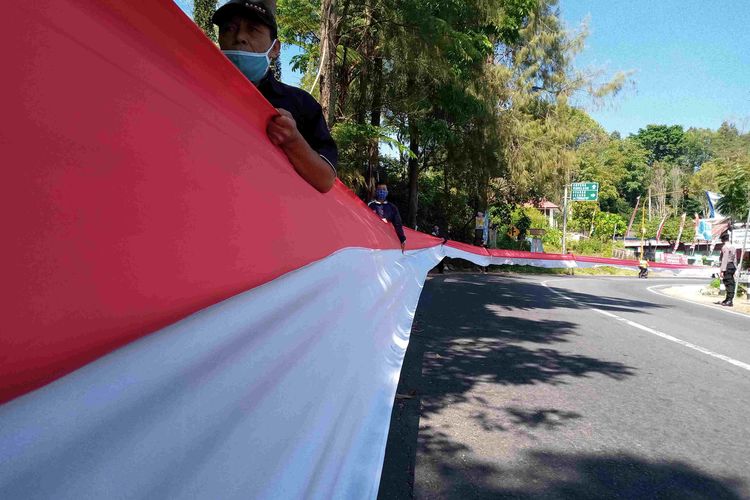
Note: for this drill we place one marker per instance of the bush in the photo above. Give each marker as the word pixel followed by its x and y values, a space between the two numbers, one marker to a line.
pixel 507 243
pixel 592 246
pixel 552 241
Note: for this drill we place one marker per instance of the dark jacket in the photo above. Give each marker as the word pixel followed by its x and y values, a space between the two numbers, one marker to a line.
pixel 306 112
pixel 389 212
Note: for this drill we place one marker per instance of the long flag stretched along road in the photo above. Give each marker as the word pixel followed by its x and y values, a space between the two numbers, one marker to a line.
pixel 183 316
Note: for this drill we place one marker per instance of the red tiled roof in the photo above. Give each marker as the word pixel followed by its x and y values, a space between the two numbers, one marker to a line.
pixel 544 204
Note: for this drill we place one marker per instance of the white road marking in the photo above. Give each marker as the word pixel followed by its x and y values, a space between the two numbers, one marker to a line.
pixel 720 308
pixel 740 364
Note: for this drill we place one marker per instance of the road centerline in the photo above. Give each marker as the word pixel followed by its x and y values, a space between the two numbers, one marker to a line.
pixel 652 331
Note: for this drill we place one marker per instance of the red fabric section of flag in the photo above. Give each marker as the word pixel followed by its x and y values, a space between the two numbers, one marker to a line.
pixel 517 254
pixel 468 248
pixel 139 185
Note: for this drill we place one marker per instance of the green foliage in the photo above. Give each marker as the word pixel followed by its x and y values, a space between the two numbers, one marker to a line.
pixel 203 10
pixel 734 184
pixel 699 148
pixel 592 246
pixel 505 218
pixel 621 169
pixel 467 105
pixel 299 22
pixel 669 231
pixel 583 216
pixel 523 223
pixel 552 240
pixel 663 143
pixel 607 225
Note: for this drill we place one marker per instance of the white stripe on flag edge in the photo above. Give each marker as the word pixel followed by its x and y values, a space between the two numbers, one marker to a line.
pixel 282 391
pixel 130 422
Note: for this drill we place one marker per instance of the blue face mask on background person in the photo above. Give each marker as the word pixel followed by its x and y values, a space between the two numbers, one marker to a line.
pixel 381 194
pixel 254 65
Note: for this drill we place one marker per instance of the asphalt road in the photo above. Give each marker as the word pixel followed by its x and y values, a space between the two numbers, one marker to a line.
pixel 568 387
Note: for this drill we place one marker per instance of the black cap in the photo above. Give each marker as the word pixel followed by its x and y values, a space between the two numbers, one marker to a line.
pixel 261 10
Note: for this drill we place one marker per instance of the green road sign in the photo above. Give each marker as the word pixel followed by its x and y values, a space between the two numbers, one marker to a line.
pixel 584 191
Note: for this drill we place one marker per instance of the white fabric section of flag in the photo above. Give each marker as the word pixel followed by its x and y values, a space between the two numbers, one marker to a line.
pixel 284 391
pixel 548 264
pixel 455 253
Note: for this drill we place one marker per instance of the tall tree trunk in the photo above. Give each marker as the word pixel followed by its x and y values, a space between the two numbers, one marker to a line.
pixel 443 216
pixel 361 106
pixel 329 38
pixel 344 80
pixel 413 173
pixel 344 73
pixel 376 111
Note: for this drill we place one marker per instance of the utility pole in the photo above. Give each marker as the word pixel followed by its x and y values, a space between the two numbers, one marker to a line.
pixel 565 219
pixel 649 204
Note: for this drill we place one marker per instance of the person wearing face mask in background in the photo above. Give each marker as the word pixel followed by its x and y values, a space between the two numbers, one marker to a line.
pixel 248 38
pixel 388 212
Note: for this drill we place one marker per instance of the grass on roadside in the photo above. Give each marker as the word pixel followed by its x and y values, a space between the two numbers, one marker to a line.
pixel 593 271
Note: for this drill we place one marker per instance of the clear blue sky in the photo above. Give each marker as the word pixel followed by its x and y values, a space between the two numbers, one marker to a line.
pixel 691 59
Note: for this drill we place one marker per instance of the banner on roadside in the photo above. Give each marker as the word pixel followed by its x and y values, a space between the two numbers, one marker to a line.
pixel 738 237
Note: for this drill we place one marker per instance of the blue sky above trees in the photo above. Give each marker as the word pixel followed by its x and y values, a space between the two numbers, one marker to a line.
pixel 691 60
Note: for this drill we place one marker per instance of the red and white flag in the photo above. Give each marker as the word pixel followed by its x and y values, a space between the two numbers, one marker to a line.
pixel 184 317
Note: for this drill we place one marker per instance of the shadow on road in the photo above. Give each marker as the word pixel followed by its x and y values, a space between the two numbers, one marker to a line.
pixel 528 296
pixel 459 340
pixel 462 337
pixel 579 476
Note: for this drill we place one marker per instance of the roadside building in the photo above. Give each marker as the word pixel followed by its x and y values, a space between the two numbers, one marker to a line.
pixel 548 208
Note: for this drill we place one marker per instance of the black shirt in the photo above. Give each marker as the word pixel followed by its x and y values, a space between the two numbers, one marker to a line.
pixel 389 212
pixel 306 112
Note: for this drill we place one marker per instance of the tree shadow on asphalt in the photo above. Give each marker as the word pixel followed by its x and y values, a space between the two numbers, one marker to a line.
pixel 459 341
pixel 544 474
pixel 526 295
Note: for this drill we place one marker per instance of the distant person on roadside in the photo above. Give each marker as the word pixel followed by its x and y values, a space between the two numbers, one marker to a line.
pixel 643 267
pixel 437 233
pixel 248 38
pixel 388 212
pixel 727 269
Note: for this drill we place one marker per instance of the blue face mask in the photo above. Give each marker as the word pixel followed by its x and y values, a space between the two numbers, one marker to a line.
pixel 381 194
pixel 254 65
